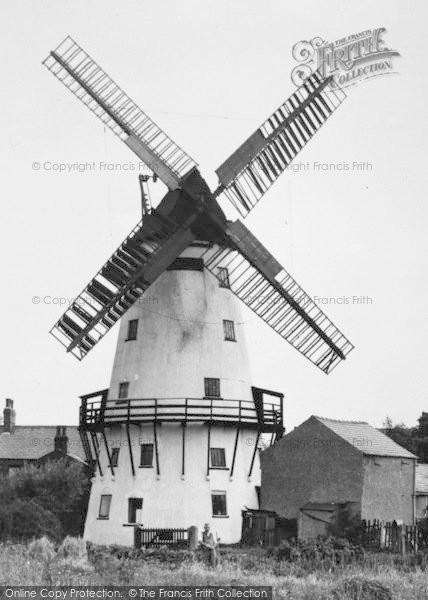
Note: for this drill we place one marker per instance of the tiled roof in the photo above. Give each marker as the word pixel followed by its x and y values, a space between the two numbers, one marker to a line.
pixel 366 438
pixel 422 479
pixel 32 442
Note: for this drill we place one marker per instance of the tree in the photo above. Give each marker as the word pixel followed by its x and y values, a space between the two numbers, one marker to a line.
pixel 348 525
pixel 407 437
pixel 55 492
pixel 25 519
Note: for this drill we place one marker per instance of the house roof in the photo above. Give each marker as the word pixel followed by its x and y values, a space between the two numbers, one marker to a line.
pixel 32 442
pixel 364 437
pixel 421 483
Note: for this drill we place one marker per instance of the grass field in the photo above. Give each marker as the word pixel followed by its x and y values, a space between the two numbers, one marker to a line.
pixel 377 578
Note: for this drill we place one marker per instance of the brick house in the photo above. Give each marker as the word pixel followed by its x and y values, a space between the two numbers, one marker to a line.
pixel 34 444
pixel 324 464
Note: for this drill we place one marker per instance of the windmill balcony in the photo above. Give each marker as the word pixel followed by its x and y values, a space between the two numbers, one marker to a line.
pixel 97 412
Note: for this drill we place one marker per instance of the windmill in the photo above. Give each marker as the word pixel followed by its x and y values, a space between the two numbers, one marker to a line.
pixel 197 264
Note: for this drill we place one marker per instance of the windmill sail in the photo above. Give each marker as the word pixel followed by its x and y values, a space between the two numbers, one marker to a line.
pixel 250 171
pixel 77 71
pixel 145 253
pixel 257 278
pixel 253 273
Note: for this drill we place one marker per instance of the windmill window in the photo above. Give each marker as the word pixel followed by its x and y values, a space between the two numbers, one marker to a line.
pixel 223 276
pixel 105 503
pixel 212 387
pixel 146 458
pixel 123 390
pixel 114 456
pixel 218 500
pixel 134 504
pixel 229 331
pixel 132 330
pixel 218 458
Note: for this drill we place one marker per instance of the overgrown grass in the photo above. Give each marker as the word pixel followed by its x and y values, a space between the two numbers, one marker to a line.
pixel 374 577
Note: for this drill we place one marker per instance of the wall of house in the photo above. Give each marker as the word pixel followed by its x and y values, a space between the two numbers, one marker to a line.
pixel 170 499
pixel 9 465
pixel 421 506
pixel 310 464
pixel 388 488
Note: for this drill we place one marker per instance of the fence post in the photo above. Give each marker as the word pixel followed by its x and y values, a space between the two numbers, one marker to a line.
pixel 403 539
pixel 383 536
pixel 192 537
pixel 137 536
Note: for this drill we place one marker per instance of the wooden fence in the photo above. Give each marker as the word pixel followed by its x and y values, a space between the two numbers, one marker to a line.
pixel 154 538
pixel 403 539
pixel 265 528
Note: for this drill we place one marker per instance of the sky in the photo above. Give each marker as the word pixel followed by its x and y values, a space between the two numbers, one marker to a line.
pixel 209 73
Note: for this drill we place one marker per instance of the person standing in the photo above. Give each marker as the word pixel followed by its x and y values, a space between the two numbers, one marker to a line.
pixel 209 542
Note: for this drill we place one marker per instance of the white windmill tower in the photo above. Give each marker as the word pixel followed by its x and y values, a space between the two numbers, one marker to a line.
pixel 174 439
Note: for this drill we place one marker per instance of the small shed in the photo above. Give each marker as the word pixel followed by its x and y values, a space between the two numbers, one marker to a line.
pixel 266 528
pixel 316 518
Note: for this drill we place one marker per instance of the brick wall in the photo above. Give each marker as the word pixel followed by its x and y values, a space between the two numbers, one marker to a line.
pixel 388 488
pixel 310 464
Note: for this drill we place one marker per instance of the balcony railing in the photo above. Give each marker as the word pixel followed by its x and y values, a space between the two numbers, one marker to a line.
pixel 264 415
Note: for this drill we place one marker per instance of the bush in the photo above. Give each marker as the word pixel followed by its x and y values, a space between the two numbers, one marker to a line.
pixel 348 526
pixel 53 494
pixel 102 556
pixel 72 555
pixel 41 550
pixel 360 588
pixel 319 553
pixel 26 520
pixel 73 548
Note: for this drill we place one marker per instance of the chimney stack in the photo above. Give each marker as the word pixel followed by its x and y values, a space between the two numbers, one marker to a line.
pixel 9 417
pixel 61 440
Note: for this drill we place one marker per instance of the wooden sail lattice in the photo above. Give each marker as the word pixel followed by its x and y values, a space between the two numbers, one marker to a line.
pixel 253 273
pixel 88 82
pixel 250 171
pixel 257 279
pixel 114 289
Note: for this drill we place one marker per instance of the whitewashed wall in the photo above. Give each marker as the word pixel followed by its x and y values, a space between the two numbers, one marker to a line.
pixel 180 342
pixel 171 500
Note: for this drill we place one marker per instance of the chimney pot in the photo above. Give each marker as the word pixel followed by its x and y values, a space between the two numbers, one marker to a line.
pixel 61 440
pixel 9 417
